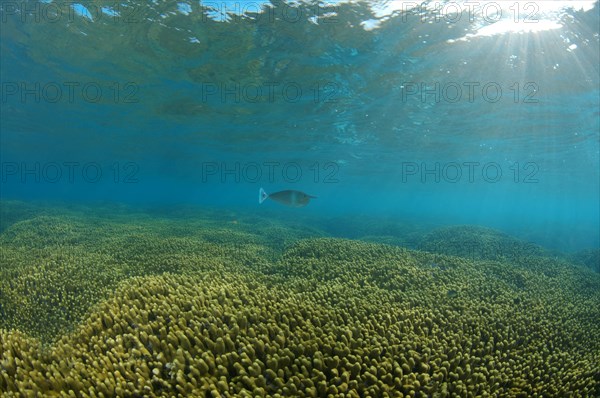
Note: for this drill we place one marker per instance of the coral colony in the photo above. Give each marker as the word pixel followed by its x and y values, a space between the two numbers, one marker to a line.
pixel 113 305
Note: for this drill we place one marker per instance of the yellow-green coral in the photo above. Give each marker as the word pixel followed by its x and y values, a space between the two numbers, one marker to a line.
pixel 53 268
pixel 588 258
pixel 478 243
pixel 164 311
pixel 195 335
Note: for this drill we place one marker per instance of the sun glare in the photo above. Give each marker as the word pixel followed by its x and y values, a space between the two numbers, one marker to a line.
pixel 525 16
pixel 488 17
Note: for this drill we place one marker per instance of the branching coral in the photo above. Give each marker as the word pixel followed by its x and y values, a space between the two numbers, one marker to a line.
pixel 155 313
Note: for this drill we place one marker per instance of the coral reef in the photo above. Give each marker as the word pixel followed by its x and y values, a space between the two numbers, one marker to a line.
pixel 12 211
pixel 588 258
pixel 167 308
pixel 477 242
pixel 54 267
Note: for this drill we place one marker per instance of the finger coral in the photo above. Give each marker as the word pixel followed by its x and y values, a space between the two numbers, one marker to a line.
pixel 330 317
pixel 476 242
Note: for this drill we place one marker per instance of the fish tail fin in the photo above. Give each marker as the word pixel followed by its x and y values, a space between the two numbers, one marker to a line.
pixel 262 196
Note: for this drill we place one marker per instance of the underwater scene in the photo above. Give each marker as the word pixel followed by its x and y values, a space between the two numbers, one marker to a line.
pixel 342 198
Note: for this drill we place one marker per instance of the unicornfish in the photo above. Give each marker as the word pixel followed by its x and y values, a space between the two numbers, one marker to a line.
pixel 289 197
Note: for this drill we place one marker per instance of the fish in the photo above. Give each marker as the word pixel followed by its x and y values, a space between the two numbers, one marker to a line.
pixel 288 197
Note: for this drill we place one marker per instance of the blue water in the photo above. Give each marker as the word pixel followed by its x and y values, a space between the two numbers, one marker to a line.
pixel 173 104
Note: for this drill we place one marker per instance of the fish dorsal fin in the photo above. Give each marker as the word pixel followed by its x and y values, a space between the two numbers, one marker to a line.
pixel 262 195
